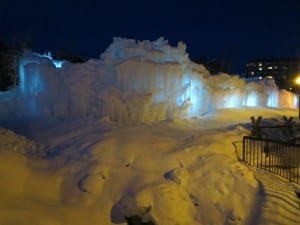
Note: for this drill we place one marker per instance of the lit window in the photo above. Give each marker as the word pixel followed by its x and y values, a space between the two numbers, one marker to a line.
pixel 252 73
pixel 259 64
pixel 270 77
pixel 270 67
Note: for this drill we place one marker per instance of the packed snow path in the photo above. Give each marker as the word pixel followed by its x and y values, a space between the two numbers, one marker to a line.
pixel 280 204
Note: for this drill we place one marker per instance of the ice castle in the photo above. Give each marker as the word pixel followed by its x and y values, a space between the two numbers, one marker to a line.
pixel 133 81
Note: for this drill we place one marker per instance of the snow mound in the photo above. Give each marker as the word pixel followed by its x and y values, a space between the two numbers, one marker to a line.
pixel 9 141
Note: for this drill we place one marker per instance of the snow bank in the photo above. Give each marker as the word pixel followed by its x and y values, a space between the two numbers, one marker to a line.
pixel 12 142
pixel 132 81
pixel 181 172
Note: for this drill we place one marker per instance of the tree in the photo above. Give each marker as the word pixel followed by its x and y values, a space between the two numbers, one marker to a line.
pixel 215 66
pixel 69 56
pixel 9 61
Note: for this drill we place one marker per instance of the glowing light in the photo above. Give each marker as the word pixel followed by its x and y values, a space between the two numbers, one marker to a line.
pixel 252 100
pixel 58 64
pixel 297 80
pixel 296 101
pixel 193 95
pixel 232 101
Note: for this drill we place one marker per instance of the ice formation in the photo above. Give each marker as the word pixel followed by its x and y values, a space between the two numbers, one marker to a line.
pixel 132 82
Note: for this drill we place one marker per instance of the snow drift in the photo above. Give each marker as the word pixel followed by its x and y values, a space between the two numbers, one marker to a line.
pixel 132 81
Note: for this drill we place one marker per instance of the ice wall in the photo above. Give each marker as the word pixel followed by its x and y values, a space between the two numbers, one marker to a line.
pixel 132 82
pixel 180 90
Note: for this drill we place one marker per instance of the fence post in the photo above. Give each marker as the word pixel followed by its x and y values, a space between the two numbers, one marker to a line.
pixel 244 149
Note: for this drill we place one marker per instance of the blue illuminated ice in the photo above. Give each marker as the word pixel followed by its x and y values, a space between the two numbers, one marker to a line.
pixel 56 63
pixel 32 79
pixel 132 81
pixel 272 99
pixel 251 100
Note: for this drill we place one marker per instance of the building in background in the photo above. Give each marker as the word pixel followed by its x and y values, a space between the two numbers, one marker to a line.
pixel 283 71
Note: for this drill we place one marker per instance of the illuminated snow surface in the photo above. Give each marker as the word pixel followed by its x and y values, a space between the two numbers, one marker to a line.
pixel 141 131
pixel 97 172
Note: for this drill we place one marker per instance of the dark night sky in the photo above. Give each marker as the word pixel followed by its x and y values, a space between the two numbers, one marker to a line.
pixel 237 30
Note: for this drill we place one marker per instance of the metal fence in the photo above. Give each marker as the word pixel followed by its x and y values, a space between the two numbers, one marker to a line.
pixel 281 158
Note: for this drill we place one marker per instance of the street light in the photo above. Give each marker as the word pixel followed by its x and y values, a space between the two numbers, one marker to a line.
pixel 297 81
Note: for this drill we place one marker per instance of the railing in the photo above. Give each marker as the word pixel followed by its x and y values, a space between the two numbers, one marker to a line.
pixel 281 158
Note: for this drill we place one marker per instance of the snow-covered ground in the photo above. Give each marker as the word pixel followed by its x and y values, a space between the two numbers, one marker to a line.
pixel 183 172
pixel 141 131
